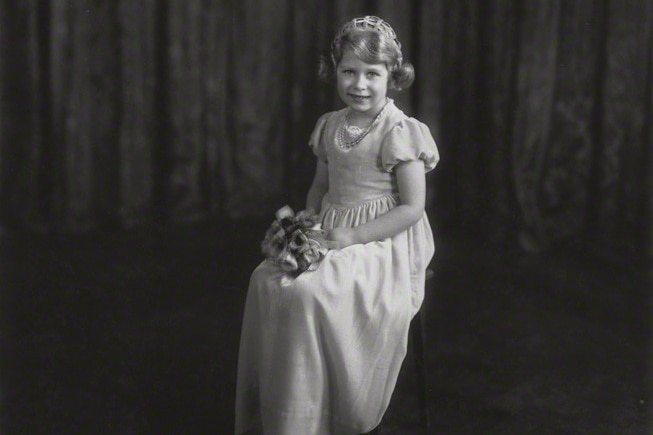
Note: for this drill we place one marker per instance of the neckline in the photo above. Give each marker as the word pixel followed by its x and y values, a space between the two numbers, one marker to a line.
pixel 345 129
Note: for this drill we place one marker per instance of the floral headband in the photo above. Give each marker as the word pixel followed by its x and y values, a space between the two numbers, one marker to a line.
pixel 369 22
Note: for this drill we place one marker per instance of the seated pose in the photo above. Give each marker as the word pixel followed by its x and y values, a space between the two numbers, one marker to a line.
pixel 320 353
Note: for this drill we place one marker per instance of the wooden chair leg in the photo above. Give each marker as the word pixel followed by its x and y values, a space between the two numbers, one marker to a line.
pixel 417 337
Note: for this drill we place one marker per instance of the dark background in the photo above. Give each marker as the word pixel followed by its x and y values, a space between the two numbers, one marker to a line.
pixel 123 113
pixel 135 131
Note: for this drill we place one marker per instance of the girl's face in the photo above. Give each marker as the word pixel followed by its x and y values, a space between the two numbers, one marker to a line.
pixel 362 86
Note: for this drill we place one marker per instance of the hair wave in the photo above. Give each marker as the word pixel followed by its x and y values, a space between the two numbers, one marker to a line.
pixel 371 47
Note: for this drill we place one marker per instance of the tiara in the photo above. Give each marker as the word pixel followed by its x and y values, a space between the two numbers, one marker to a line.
pixel 368 22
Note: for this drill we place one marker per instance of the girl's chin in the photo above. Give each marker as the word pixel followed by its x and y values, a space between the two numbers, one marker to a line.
pixel 359 104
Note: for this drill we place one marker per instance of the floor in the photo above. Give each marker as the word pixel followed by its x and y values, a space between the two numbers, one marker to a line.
pixel 136 332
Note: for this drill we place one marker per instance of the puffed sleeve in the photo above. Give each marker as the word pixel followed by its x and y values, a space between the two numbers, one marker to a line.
pixel 316 143
pixel 409 140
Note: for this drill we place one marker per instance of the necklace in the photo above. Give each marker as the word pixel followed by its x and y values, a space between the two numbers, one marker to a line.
pixel 350 136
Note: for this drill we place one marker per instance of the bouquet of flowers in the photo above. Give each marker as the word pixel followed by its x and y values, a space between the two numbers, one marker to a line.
pixel 294 242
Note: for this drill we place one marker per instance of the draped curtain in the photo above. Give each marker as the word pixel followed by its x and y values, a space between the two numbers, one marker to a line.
pixel 119 113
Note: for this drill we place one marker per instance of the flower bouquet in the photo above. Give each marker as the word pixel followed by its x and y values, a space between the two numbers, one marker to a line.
pixel 294 242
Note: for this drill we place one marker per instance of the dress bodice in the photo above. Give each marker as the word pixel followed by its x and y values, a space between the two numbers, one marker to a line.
pixel 365 172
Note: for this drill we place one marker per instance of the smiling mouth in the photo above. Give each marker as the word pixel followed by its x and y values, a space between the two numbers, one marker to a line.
pixel 359 97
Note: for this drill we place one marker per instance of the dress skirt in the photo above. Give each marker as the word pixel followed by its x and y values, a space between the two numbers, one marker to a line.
pixel 320 353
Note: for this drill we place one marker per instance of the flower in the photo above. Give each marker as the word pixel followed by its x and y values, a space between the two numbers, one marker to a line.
pixel 294 242
pixel 287 261
pixel 298 240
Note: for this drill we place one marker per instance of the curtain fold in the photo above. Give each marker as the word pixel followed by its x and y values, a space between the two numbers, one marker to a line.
pixel 23 148
pixel 123 113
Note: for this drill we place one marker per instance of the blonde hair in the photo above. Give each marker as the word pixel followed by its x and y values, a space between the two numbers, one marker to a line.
pixel 372 40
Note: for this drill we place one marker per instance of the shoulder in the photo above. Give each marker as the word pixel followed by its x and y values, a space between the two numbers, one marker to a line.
pixel 325 117
pixel 322 129
pixel 328 121
pixel 320 124
pixel 406 138
pixel 399 126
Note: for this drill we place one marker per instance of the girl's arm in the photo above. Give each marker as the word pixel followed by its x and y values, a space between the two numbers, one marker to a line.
pixel 412 193
pixel 318 188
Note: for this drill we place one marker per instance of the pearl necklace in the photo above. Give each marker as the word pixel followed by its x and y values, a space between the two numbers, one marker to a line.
pixel 355 132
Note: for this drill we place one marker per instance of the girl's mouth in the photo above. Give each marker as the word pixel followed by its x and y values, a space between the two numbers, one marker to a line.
pixel 359 97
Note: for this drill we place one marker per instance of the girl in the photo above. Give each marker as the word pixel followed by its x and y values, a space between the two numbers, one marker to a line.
pixel 320 354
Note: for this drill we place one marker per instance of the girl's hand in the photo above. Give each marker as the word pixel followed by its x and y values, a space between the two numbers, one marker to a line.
pixel 339 238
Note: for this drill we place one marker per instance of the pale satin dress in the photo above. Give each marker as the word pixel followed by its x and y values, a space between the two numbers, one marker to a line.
pixel 320 354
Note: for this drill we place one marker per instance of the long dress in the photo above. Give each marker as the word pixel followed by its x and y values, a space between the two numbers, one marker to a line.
pixel 320 354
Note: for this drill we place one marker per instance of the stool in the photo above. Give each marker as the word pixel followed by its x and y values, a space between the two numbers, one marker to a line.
pixel 416 332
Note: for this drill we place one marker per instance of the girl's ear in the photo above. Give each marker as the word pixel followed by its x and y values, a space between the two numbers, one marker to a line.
pixel 392 82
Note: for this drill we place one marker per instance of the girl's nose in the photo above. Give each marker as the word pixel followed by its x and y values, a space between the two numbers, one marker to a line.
pixel 360 83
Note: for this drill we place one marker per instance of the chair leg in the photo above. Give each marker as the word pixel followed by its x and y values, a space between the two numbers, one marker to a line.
pixel 416 332
pixel 417 337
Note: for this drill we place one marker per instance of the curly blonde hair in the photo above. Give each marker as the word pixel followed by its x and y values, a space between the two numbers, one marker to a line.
pixel 372 40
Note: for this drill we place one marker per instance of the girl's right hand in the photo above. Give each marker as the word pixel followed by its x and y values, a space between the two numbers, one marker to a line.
pixel 339 238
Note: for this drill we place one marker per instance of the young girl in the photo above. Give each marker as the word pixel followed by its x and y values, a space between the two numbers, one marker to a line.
pixel 320 354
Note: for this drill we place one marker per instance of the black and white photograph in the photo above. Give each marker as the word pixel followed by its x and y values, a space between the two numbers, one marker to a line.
pixel 311 217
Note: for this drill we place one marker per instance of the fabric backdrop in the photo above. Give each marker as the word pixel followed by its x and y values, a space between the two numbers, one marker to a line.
pixel 118 113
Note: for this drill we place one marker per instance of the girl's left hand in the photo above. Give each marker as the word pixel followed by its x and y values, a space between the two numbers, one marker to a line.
pixel 339 238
